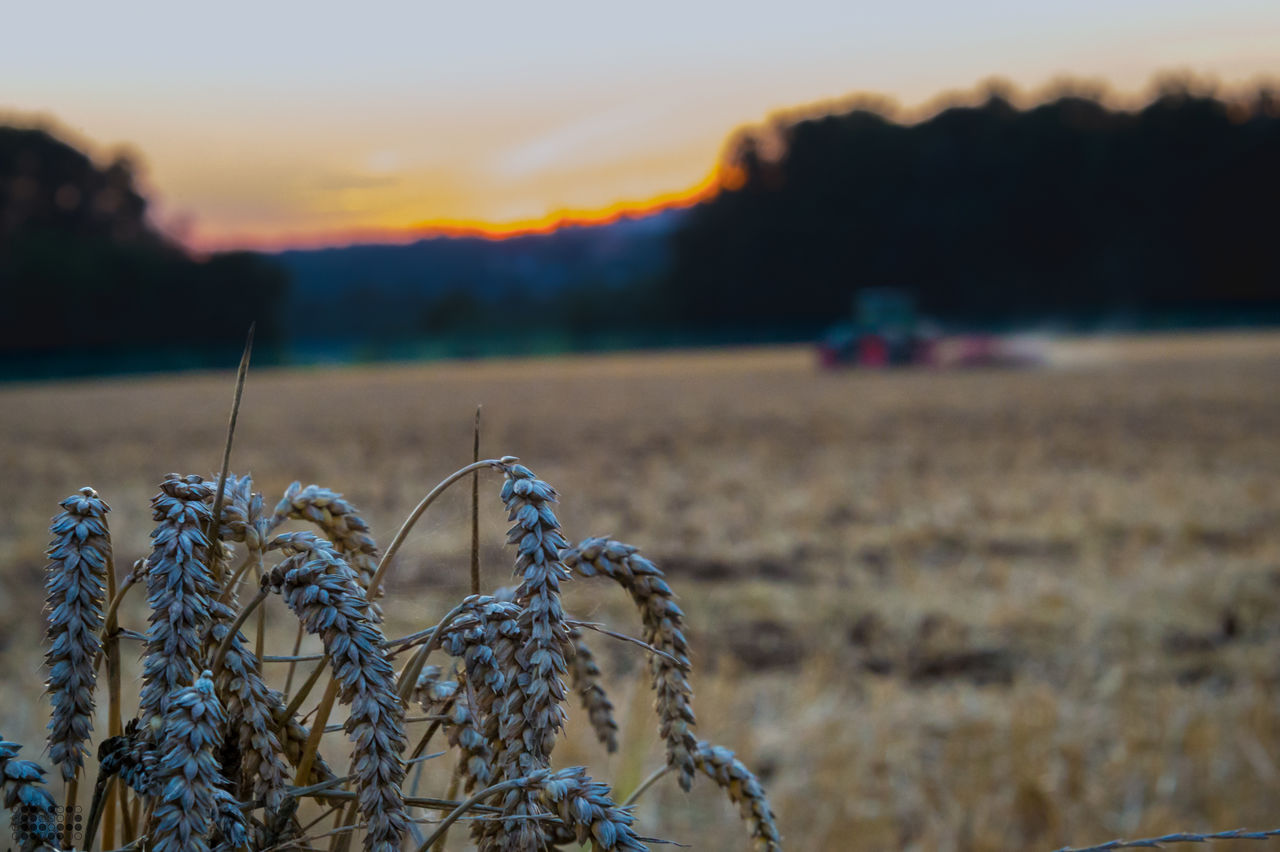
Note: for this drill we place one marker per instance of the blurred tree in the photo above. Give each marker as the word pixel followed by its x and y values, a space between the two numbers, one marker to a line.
pixel 991 213
pixel 81 267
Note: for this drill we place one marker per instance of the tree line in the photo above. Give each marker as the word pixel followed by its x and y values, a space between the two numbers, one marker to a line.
pixel 82 268
pixel 990 213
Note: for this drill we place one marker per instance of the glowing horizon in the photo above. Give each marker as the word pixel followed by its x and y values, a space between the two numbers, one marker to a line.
pixel 277 126
pixel 717 179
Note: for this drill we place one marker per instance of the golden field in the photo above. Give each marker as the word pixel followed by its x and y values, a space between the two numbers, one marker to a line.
pixel 933 610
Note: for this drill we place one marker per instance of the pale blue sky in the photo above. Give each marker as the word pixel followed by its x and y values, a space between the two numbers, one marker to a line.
pixel 261 120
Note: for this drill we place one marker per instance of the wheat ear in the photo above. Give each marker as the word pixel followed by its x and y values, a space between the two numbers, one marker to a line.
pixel 248 701
pixel 487 637
pixel 125 755
pixel 663 623
pixel 179 591
pixel 583 807
pixel 744 790
pixel 32 811
pixel 75 589
pixel 532 713
pixel 587 812
pixel 338 519
pixel 447 698
pixel 228 819
pixel 586 682
pixel 187 775
pixel 322 590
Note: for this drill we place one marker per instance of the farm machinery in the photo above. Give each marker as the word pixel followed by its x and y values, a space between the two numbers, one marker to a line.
pixel 887 332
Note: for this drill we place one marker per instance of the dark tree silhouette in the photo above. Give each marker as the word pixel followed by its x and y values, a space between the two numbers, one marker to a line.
pixel 990 213
pixel 82 268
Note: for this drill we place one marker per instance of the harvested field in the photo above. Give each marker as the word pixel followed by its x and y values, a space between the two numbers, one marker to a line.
pixel 937 611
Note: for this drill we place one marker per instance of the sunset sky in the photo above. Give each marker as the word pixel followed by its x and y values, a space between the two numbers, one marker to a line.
pixel 272 124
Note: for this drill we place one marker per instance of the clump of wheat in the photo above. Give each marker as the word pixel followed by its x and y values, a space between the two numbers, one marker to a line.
pixel 217 757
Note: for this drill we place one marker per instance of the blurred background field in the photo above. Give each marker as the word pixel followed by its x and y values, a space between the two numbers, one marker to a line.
pixel 934 610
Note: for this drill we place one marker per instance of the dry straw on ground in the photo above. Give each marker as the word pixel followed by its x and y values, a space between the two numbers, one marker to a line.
pixel 215 757
pixel 933 612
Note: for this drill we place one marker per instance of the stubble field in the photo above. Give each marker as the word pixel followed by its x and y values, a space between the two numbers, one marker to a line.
pixel 935 611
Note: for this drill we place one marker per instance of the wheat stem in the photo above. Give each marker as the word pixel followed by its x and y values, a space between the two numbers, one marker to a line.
pixel 475 507
pixel 317 731
pixel 115 718
pixel 465 806
pixel 648 782
pixel 375 584
pixel 221 653
pixel 241 373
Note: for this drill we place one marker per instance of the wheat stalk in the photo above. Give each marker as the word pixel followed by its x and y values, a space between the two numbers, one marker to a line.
pixel 1177 837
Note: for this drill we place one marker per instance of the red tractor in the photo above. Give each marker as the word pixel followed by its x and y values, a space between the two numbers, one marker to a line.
pixel 886 332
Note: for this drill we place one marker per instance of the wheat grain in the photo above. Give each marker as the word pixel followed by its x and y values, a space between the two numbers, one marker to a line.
pixel 323 592
pixel 32 812
pixel 74 586
pixel 187 775
pixel 663 623
pixel 744 790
